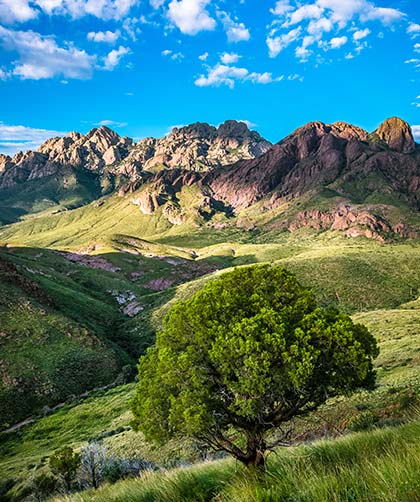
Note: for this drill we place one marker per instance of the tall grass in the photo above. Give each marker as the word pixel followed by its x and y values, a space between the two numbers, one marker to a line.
pixel 379 466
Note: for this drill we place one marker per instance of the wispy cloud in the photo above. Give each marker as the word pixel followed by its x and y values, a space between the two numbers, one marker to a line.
pixel 111 123
pixel 221 74
pixel 175 56
pixel 416 132
pixel 14 138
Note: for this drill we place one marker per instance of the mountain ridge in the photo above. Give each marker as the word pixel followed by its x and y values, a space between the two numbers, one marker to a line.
pixel 372 179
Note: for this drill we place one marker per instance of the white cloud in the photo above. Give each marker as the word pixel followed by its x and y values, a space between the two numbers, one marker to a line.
pixel 338 42
pixel 277 44
pixel 229 58
pixel 102 9
pixel 23 10
pixel 235 31
pixel 14 138
pixel 175 56
pixel 315 18
pixel 40 57
pixel 16 11
pixel 229 75
pixel 305 12
pixel 413 29
pixel 114 57
pixel 191 16
pixel 203 57
pixel 382 14
pixel 156 4
pixel 111 123
pixel 295 76
pixel 416 132
pixel 248 123
pixel 416 47
pixel 361 34
pixel 281 7
pixel 109 37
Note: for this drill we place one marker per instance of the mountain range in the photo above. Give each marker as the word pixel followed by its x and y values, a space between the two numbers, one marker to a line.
pixel 368 183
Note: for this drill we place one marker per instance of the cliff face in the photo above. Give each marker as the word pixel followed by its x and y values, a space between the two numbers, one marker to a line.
pixel 318 155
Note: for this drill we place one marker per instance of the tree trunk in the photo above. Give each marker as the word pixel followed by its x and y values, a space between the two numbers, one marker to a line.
pixel 256 447
pixel 256 460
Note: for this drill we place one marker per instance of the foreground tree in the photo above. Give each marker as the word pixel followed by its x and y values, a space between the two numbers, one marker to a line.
pixel 244 355
pixel 64 463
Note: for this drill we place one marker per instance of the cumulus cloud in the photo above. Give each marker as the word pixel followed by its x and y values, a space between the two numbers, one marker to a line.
pixel 16 11
pixel 413 30
pixel 312 20
pixel 109 37
pixel 113 58
pixel 235 30
pixel 361 34
pixel 338 42
pixel 40 57
pixel 204 56
pixel 229 58
pixel 14 138
pixel 278 43
pixel 221 74
pixel 23 10
pixel 191 16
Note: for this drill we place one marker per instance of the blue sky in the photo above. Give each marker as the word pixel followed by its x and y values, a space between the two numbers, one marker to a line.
pixel 143 66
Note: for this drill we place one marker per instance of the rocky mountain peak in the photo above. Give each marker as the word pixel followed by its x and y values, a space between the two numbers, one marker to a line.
pixel 397 134
pixel 194 131
pixel 197 147
pixel 102 138
pixel 5 162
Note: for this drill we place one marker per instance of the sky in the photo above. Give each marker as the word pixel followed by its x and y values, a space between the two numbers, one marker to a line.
pixel 142 67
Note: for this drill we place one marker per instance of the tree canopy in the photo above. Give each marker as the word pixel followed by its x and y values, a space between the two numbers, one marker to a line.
pixel 244 355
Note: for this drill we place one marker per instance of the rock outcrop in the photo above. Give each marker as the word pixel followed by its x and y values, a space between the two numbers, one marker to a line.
pixel 198 147
pixel 397 135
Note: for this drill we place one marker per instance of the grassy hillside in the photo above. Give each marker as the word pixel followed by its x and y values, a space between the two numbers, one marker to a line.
pixel 68 189
pixel 380 466
pixel 93 296
pixel 106 414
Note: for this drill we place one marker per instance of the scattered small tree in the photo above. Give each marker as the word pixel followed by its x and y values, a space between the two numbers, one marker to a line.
pixel 64 463
pixel 244 355
pixel 93 462
pixel 43 485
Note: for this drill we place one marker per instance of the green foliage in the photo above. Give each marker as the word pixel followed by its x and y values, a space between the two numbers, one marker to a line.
pixel 379 466
pixel 247 353
pixel 64 463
